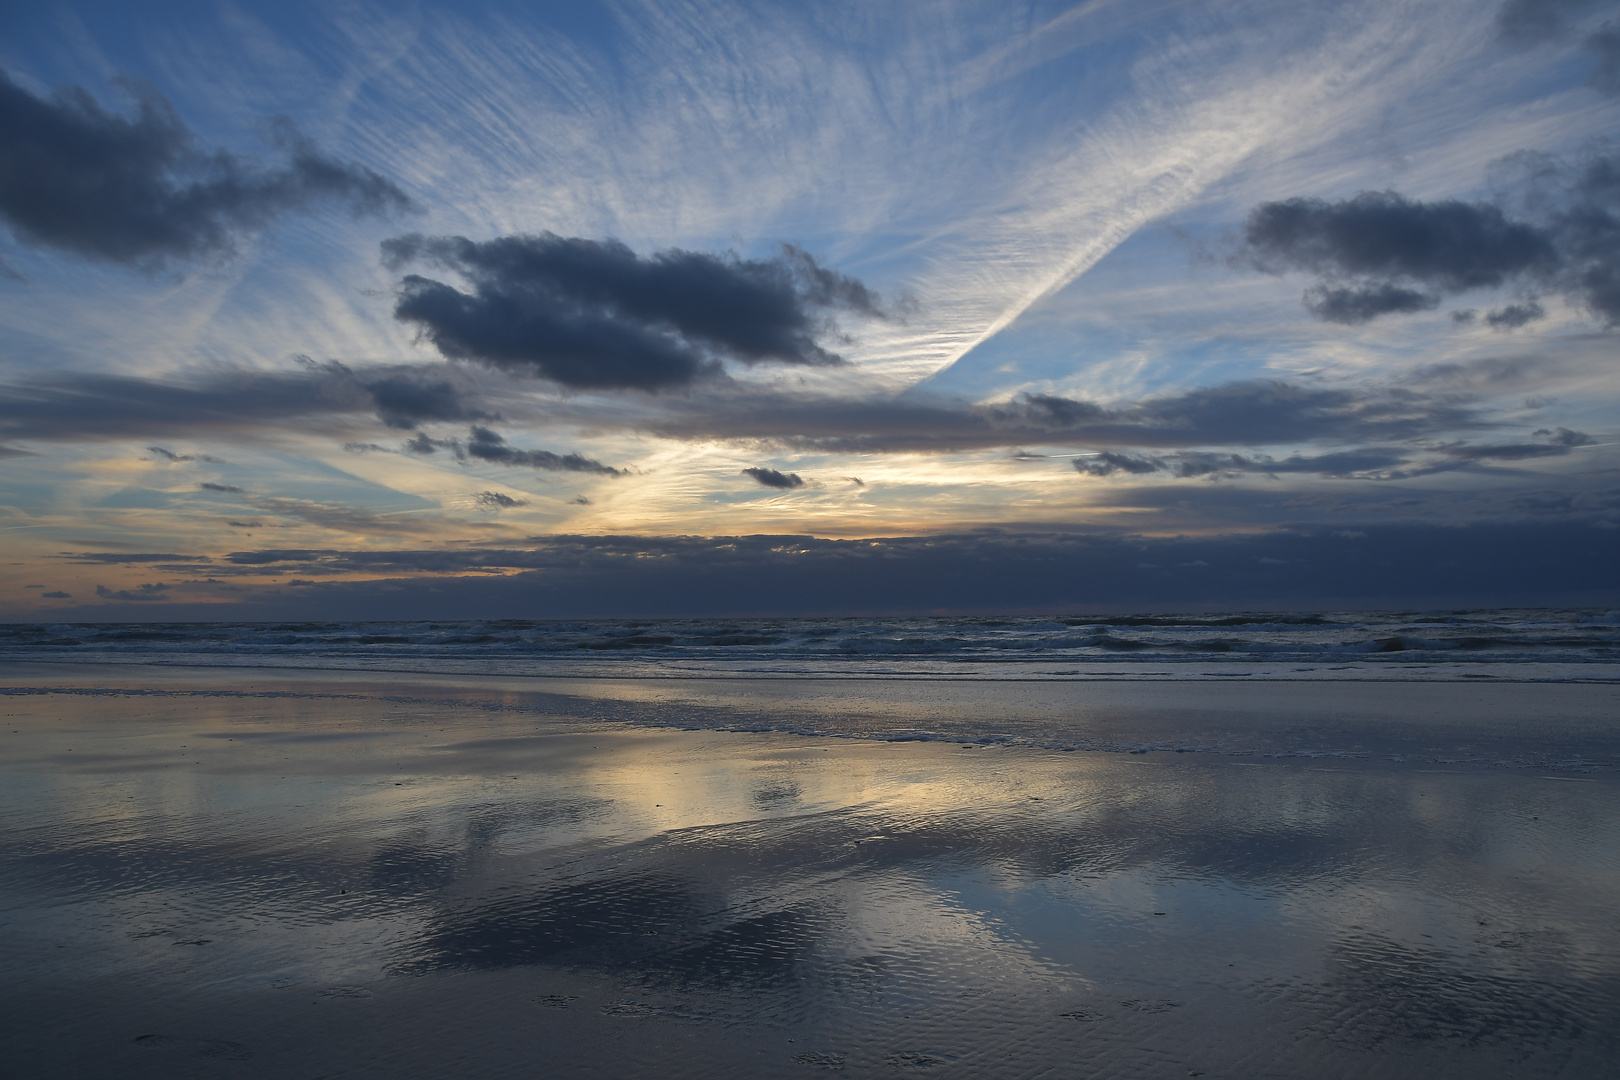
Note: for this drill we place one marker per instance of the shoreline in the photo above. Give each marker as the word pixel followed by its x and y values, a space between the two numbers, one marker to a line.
pixel 1599 672
pixel 202 884
pixel 1567 726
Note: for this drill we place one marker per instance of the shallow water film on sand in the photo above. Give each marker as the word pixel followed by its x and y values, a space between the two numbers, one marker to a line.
pixel 220 873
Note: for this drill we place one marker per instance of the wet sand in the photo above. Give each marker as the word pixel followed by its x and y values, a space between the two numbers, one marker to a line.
pixel 229 873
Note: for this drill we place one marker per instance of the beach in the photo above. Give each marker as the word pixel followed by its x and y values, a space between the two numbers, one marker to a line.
pixel 218 872
pixel 698 539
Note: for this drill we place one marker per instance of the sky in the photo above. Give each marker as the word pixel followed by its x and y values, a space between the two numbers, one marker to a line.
pixel 352 310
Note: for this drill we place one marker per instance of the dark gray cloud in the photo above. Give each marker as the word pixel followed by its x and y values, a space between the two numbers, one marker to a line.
pixel 179 459
pixel 495 500
pixel 1529 22
pixel 1107 463
pixel 404 402
pixel 1515 315
pixel 593 314
pixel 228 489
pixel 1526 23
pixel 1555 226
pixel 484 444
pixel 58 595
pixel 1378 234
pixel 772 479
pixel 1387 241
pixel 1604 45
pixel 137 190
pixel 1362 304
pixel 147 592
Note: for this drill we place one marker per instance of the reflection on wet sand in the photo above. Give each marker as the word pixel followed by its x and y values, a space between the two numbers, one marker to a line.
pixel 290 881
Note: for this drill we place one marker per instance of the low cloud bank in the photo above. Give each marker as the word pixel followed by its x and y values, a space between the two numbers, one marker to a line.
pixel 992 571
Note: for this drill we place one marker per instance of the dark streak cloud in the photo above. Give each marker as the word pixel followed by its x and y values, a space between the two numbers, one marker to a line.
pixel 495 500
pixel 1361 462
pixel 487 445
pixel 593 314
pixel 1437 404
pixel 138 191
pixel 772 479
pixel 120 559
pixel 79 406
pixel 1250 412
pixel 1367 462
pixel 147 592
pixel 231 403
pixel 1559 442
pixel 230 489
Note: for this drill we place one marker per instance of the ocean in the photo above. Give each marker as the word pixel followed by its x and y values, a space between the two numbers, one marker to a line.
pixel 1559 643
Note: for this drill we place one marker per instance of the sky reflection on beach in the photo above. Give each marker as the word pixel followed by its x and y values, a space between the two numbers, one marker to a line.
pixel 192 866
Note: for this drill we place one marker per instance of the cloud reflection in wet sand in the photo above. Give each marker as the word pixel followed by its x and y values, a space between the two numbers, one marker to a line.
pixel 882 905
